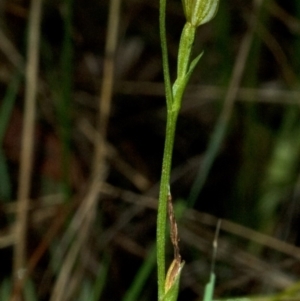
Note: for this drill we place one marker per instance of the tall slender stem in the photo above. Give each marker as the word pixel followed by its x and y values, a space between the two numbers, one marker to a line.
pixel 167 157
pixel 164 49
pixel 197 13
pixel 163 197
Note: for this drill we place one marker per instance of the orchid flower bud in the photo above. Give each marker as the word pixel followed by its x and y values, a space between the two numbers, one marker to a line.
pixel 198 12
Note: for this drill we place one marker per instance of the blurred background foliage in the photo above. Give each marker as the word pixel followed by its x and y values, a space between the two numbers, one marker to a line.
pixel 236 153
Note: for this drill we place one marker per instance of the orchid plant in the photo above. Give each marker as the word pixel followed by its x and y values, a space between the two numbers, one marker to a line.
pixel 197 12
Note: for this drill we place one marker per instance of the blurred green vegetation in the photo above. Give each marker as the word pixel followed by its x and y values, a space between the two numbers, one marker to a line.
pixel 243 168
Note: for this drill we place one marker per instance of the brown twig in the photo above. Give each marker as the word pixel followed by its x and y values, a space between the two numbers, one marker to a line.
pixel 27 139
pixel 107 85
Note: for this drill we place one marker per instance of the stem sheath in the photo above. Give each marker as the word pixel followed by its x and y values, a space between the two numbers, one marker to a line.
pixel 163 197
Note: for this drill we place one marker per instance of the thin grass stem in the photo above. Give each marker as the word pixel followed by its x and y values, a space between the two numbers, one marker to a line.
pixel 142 275
pixel 164 48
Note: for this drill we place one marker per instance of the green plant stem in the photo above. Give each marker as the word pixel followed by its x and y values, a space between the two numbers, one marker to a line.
pixel 164 49
pixel 167 157
pixel 163 197
pixel 174 96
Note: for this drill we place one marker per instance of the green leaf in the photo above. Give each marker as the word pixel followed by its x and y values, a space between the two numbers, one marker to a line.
pixel 180 83
pixel 193 65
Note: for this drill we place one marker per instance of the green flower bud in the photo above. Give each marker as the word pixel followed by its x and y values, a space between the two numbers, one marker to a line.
pixel 198 12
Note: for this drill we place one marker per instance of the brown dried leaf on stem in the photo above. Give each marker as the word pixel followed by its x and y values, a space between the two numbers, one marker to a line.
pixel 173 229
pixel 176 264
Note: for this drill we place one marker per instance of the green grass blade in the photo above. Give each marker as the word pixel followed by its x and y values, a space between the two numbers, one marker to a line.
pixel 140 279
pixel 164 48
pixel 5 290
pixel 210 155
pixel 86 291
pixel 30 291
pixel 101 280
pixel 209 288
